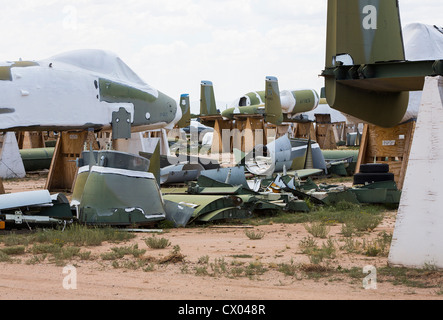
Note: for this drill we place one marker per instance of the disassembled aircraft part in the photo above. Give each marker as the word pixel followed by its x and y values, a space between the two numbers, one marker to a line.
pixel 180 173
pixel 26 209
pixel 235 176
pixel 206 207
pixel 178 214
pixel 292 154
pixel 120 191
pixel 37 158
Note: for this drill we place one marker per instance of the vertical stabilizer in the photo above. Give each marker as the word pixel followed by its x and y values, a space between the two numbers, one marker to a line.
pixel 273 108
pixel 185 105
pixel 362 32
pixel 208 106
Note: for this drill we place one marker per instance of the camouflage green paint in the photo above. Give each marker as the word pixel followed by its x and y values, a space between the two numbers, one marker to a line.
pixel 230 113
pixel 369 31
pixel 147 108
pixel 305 99
pixel 185 105
pixel 254 99
pixel 5 71
pixel 208 106
pixel 273 109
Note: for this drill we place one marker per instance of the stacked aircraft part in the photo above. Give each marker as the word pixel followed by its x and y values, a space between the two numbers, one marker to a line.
pixel 118 190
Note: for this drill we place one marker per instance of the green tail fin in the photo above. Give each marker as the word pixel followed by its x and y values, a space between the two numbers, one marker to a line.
pixel 186 111
pixel 365 31
pixel 207 102
pixel 362 32
pixel 154 163
pixel 273 110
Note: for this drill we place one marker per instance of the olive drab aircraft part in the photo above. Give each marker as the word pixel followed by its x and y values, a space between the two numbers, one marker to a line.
pixel 274 105
pixel 81 90
pixel 366 74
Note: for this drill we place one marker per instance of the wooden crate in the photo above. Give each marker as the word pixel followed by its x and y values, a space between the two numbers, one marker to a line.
pixel 387 145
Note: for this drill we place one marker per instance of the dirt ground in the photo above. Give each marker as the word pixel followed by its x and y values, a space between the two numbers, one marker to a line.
pixel 98 279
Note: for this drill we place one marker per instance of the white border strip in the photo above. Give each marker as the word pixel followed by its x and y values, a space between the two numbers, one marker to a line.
pixel 123 172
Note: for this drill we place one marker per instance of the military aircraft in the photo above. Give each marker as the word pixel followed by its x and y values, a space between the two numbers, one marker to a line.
pixel 366 74
pixel 82 89
pixel 290 106
pixel 275 106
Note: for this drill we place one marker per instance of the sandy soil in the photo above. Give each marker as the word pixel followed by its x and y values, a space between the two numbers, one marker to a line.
pixel 99 279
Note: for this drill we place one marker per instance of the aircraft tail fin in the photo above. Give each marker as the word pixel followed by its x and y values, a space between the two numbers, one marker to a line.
pixel 154 163
pixel 185 105
pixel 273 109
pixel 363 32
pixel 208 106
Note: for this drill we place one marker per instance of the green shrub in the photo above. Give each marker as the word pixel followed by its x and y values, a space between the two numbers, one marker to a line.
pixel 157 243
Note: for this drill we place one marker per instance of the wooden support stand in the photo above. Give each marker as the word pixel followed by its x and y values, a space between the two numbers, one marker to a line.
pixel 250 132
pixel 219 124
pixel 325 132
pixel 304 131
pixel 63 168
pixel 30 139
pixel 391 146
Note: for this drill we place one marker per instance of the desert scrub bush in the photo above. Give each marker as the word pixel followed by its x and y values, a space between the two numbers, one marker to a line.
pixel 175 256
pixel 157 243
pixel 327 251
pixel 366 222
pixel 307 244
pixel 288 269
pixel 13 251
pixel 203 260
pixel 379 246
pixel 4 257
pixel 77 235
pixel 351 246
pixel 255 235
pixel 318 230
pixel 255 268
pixel 219 267
pixel 120 252
pixel 347 230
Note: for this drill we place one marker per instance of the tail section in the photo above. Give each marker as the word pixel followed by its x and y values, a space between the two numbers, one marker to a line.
pixel 363 32
pixel 273 109
pixel 207 103
pixel 360 35
pixel 186 111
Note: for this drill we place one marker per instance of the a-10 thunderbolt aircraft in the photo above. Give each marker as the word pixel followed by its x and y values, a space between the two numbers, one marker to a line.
pixel 84 89
pixel 274 105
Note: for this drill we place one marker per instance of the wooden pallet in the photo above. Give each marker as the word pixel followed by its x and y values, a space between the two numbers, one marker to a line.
pixel 387 145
